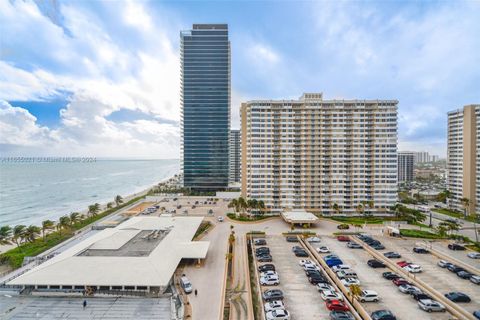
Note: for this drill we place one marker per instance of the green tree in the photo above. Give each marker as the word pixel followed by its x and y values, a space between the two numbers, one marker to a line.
pixel 5 235
pixel 233 204
pixel 93 209
pixel 64 223
pixel 47 225
pixel 18 234
pixel 118 200
pixel 74 217
pixel 32 232
pixel 466 206
pixel 110 205
pixel 360 209
pixel 242 204
pixel 336 208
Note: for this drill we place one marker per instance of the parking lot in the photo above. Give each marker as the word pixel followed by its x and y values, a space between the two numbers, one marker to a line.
pixel 459 255
pixel 438 278
pixel 301 298
pixel 402 305
pixel 194 206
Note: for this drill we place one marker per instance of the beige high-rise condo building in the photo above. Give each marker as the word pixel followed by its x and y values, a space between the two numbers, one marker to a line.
pixel 463 158
pixel 324 156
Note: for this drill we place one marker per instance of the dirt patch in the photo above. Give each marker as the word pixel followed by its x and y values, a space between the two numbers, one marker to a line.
pixel 138 208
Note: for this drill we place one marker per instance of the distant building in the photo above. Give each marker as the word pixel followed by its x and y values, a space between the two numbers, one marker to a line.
pixel 434 158
pixel 235 153
pixel 421 157
pixel 313 154
pixel 463 155
pixel 205 102
pixel 405 166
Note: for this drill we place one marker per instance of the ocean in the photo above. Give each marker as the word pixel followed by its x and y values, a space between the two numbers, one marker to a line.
pixel 31 192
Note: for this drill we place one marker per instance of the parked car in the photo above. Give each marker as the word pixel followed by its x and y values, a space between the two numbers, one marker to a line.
pixel 442 263
pixel 269 281
pixel 474 255
pixel 333 262
pixel 323 249
pixel 266 267
pixel 296 248
pixel 455 269
pixel 301 253
pixel 368 296
pixel 457 297
pixel 408 289
pixel 464 275
pixel 343 226
pixel 420 296
pixel 292 239
pixel 383 315
pixel 430 305
pixel 331 295
pixel 186 284
pixel 343 238
pixel 316 278
pixel 260 242
pixel 264 258
pixel 313 239
pixel 354 245
pixel 413 268
pixel 390 275
pixel 378 246
pixel 347 282
pixel 274 305
pixel 262 250
pixel 336 305
pixel 402 264
pixel 341 315
pixel 342 274
pixel 420 250
pixel 392 255
pixel 220 219
pixel 455 246
pixel 341 267
pixel 273 294
pixel 400 281
pixel 303 262
pixel 330 256
pixel 312 266
pixel 475 279
pixel 325 287
pixel 280 314
pixel 268 273
pixel 375 263
pixel 476 314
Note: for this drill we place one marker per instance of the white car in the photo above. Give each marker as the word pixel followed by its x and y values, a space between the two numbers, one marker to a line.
pixel 431 305
pixel 313 239
pixel 269 273
pixel 475 279
pixel 347 282
pixel 322 286
pixel 413 268
pixel 346 274
pixel 369 296
pixel 303 262
pixel 331 295
pixel 442 263
pixel 220 219
pixel 274 305
pixel 406 288
pixel 280 314
pixel 341 267
pixel 323 249
pixel 269 281
pixel 309 267
pixel 474 255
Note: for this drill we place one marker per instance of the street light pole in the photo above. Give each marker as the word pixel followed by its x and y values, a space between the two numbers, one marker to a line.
pixel 430 225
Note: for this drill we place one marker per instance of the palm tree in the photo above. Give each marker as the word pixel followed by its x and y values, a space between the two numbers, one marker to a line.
pixel 47 225
pixel 18 234
pixel 118 200
pixel 5 234
pixel 110 205
pixel 233 204
pixel 360 209
pixel 32 232
pixel 93 209
pixel 74 217
pixel 336 208
pixel 242 204
pixel 63 223
pixel 466 204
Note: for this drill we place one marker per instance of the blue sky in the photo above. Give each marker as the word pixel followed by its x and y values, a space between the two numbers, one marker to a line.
pixel 95 78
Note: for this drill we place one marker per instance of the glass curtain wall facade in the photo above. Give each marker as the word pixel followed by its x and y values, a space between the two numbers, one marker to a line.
pixel 205 101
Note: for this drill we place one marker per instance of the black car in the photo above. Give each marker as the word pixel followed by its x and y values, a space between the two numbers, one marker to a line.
pixel 312 272
pixel 266 267
pixel 476 314
pixel 383 315
pixel 271 295
pixel 420 296
pixel 378 246
pixel 341 315
pixel 260 242
pixel 262 253
pixel 464 275
pixel 373 242
pixel 392 255
pixel 455 269
pixel 390 275
pixel 457 297
pixel 454 246
pixel 314 279
pixel 292 239
pixel 376 264
pixel 301 253
pixel 264 258
pixel 420 250
pixel 296 248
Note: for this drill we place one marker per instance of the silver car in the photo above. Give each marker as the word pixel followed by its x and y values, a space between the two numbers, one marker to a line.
pixel 475 279
pixel 430 305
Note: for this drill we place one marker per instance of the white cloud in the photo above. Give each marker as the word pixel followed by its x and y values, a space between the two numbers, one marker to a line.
pixel 264 55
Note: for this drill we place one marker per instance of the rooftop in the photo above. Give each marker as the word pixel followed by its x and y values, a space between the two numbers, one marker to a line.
pixel 299 216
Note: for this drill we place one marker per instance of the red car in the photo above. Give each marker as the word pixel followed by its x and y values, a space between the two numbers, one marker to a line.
pixel 336 305
pixel 343 238
pixel 400 281
pixel 403 263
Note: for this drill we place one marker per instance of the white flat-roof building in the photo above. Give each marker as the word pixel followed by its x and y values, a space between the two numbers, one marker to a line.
pixel 299 217
pixel 141 254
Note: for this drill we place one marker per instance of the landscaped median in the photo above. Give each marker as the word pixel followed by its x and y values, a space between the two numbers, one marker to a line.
pixel 244 218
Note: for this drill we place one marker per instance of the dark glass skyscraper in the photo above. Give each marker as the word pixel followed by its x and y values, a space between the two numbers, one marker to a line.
pixel 205 99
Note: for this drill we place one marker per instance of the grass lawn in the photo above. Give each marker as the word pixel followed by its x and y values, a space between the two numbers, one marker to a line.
pixel 419 234
pixel 362 220
pixel 14 257
pixel 233 216
pixel 204 226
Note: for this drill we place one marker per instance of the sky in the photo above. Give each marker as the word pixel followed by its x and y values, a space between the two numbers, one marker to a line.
pixel 102 78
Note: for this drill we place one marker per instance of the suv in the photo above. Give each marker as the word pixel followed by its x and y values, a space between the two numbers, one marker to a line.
pixel 430 305
pixel 270 280
pixel 272 295
pixel 454 246
pixel 368 296
pixel 457 297
pixel 266 267
pixel 392 255
pixel 260 242
pixel 376 264
pixel 383 315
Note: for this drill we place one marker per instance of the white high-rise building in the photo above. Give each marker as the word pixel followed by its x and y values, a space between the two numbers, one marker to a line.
pixel 405 166
pixel 422 157
pixel 463 158
pixel 234 158
pixel 317 155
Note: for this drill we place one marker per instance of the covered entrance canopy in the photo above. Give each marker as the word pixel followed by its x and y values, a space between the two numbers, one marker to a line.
pixel 299 217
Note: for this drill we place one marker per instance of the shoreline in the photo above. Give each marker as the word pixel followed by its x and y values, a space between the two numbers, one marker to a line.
pixel 103 206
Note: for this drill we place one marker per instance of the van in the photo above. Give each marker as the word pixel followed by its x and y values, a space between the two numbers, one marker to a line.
pixel 186 285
